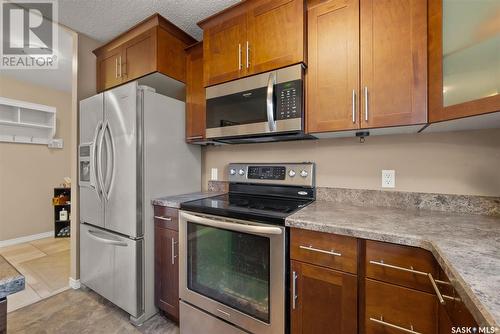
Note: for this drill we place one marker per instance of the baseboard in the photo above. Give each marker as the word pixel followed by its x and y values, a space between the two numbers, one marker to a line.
pixel 74 283
pixel 28 238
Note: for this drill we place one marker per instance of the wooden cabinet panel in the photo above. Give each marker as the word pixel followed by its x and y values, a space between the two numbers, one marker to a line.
pixel 139 56
pixel 166 217
pixel 324 249
pixel 393 62
pixel 388 304
pixel 167 271
pixel 195 94
pixel 108 71
pixel 333 66
pixel 404 257
pixel 153 45
pixel 275 33
pixel 326 301
pixel 223 50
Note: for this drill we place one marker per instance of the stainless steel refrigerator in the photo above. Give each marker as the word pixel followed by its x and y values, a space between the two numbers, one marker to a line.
pixel 132 149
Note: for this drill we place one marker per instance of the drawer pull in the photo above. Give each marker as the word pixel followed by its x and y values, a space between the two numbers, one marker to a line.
pixel 438 293
pixel 385 323
pixel 410 270
pixel 312 249
pixel 163 218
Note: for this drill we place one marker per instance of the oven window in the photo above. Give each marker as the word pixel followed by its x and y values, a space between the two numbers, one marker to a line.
pixel 230 267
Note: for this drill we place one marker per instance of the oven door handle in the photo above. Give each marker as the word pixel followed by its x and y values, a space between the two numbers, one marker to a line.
pixel 270 102
pixel 233 226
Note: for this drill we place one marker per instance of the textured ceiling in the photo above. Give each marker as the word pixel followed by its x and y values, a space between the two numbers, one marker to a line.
pixel 104 19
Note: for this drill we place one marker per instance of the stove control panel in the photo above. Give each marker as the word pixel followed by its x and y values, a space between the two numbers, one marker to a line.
pixel 294 174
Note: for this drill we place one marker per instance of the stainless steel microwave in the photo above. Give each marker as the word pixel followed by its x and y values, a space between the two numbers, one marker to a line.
pixel 264 107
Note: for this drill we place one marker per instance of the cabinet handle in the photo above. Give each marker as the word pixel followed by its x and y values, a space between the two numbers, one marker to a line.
pixel 438 293
pixel 354 106
pixel 366 103
pixel 239 56
pixel 248 54
pixel 163 218
pixel 385 323
pixel 410 270
pixel 173 250
pixel 294 290
pixel 116 68
pixel 312 249
pixel 120 65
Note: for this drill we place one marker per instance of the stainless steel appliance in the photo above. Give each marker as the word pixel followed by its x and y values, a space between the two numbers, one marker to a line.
pixel 132 150
pixel 233 251
pixel 263 107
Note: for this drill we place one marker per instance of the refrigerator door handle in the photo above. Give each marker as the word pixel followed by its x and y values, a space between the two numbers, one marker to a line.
pixel 95 161
pixel 110 163
pixel 100 175
pixel 98 236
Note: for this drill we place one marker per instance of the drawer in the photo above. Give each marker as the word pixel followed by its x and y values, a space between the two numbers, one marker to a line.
pixel 324 249
pixel 166 217
pixel 401 265
pixel 392 309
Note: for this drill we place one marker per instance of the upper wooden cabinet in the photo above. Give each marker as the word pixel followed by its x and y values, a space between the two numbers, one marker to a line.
pixel 253 37
pixel 154 45
pixel 195 94
pixel 371 77
pixel 333 66
pixel 463 59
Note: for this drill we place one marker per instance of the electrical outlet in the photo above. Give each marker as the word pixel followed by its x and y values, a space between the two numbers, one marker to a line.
pixel 388 178
pixel 215 174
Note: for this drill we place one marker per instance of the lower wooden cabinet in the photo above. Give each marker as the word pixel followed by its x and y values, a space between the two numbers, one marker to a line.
pixel 325 300
pixel 167 270
pixel 390 308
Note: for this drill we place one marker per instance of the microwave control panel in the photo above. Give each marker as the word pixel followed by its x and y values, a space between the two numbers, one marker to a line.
pixel 289 100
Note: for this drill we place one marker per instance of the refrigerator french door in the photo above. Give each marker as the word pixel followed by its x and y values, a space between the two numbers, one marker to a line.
pixel 111 199
pixel 233 269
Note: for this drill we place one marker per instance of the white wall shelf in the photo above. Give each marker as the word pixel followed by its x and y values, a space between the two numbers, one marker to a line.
pixel 25 122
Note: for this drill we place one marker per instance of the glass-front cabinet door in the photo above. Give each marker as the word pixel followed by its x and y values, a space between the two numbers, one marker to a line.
pixel 464 58
pixel 230 267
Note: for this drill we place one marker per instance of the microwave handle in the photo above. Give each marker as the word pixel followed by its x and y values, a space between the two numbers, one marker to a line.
pixel 270 102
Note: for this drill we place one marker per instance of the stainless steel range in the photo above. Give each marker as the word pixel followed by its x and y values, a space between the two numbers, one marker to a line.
pixel 234 250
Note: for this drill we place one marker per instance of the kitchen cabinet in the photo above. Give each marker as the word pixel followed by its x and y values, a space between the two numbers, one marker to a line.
pixel 341 284
pixel 153 45
pixel 195 94
pixel 333 66
pixel 463 60
pixel 371 77
pixel 166 261
pixel 325 300
pixel 252 37
pixel 323 295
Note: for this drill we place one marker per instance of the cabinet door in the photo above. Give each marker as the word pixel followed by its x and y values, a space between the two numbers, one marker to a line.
pixel 139 56
pixel 195 94
pixel 223 46
pixel 333 66
pixel 108 70
pixel 275 32
pixel 326 300
pixel 393 62
pixel 167 271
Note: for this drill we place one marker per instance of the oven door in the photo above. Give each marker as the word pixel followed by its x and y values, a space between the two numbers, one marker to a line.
pixel 234 270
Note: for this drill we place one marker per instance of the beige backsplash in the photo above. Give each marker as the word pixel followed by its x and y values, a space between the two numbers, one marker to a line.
pixel 466 163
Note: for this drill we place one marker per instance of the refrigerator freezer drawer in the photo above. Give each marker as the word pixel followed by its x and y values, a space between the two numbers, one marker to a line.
pixel 111 265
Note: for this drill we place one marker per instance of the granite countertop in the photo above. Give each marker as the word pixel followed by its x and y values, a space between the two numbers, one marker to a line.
pixel 466 246
pixel 175 201
pixel 11 281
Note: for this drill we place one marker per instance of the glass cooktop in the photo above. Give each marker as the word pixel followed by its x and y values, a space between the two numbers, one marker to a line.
pixel 256 208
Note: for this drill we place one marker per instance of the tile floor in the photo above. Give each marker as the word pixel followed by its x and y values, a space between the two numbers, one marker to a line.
pixel 45 263
pixel 81 311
